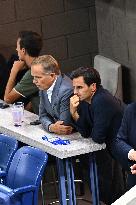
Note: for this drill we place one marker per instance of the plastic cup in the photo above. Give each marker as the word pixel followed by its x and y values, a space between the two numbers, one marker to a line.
pixel 21 105
pixel 17 114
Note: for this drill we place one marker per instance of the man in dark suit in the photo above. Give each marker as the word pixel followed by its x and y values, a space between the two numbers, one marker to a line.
pixel 124 146
pixel 55 92
pixel 97 114
pixel 95 111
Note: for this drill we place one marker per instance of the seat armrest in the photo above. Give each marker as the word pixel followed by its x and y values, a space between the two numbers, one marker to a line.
pixel 24 189
pixel 13 192
pixel 2 173
pixel 6 190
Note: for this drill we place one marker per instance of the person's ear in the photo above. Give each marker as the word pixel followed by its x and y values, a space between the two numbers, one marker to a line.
pixel 93 86
pixel 23 50
pixel 52 75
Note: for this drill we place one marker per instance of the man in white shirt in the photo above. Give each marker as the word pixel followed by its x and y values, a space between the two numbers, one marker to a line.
pixel 55 92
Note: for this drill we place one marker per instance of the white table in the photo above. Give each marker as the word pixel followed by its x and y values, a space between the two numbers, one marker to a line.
pixel 32 135
pixel 129 198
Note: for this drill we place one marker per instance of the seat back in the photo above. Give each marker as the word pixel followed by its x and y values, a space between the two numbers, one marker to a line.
pixel 27 167
pixel 8 147
pixel 111 75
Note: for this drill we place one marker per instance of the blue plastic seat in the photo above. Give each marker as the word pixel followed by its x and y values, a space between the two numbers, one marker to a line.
pixel 24 177
pixel 8 147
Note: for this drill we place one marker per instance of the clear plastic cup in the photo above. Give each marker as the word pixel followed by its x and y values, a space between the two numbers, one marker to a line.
pixel 21 105
pixel 17 113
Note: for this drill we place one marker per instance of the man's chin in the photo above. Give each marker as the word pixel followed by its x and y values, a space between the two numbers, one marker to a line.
pixel 80 99
pixel 40 88
pixel 19 58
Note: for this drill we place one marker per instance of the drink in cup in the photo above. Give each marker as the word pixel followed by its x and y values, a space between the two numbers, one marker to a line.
pixel 17 113
pixel 21 105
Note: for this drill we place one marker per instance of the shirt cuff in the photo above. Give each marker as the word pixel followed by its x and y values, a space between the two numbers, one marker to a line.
pixel 130 154
pixel 49 129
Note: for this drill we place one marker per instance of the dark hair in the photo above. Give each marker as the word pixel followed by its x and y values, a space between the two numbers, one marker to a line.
pixel 90 75
pixel 31 41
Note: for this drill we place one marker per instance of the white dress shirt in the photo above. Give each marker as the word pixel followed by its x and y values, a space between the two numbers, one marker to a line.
pixel 49 91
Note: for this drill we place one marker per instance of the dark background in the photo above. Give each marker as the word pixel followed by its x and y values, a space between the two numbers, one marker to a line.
pixel 74 31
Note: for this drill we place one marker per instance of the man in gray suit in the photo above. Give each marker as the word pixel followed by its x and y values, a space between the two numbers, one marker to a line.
pixel 55 92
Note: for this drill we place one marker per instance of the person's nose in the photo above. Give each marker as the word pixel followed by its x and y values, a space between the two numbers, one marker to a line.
pixel 34 80
pixel 75 91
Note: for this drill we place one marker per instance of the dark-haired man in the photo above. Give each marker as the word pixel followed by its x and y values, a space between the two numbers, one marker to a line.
pixel 97 114
pixel 29 45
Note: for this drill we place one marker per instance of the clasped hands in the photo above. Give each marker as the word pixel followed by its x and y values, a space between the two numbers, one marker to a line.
pixel 60 128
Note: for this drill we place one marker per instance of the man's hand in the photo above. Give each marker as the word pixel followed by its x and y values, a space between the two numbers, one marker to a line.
pixel 132 155
pixel 74 102
pixel 133 169
pixel 60 128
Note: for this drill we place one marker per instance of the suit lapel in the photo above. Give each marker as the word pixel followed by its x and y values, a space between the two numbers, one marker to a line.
pixel 47 103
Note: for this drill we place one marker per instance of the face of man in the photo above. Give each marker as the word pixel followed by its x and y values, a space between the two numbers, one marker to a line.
pixel 82 90
pixel 42 79
pixel 20 51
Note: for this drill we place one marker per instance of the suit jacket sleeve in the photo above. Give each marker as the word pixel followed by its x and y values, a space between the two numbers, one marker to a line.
pixel 104 115
pixel 44 117
pixel 60 110
pixel 65 107
pixel 121 145
pixel 100 117
pixel 106 119
pixel 83 125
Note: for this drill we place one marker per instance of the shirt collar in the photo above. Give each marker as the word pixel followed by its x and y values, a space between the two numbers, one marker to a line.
pixel 50 89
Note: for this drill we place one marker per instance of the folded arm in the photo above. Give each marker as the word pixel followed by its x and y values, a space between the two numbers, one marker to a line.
pixel 10 93
pixel 61 122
